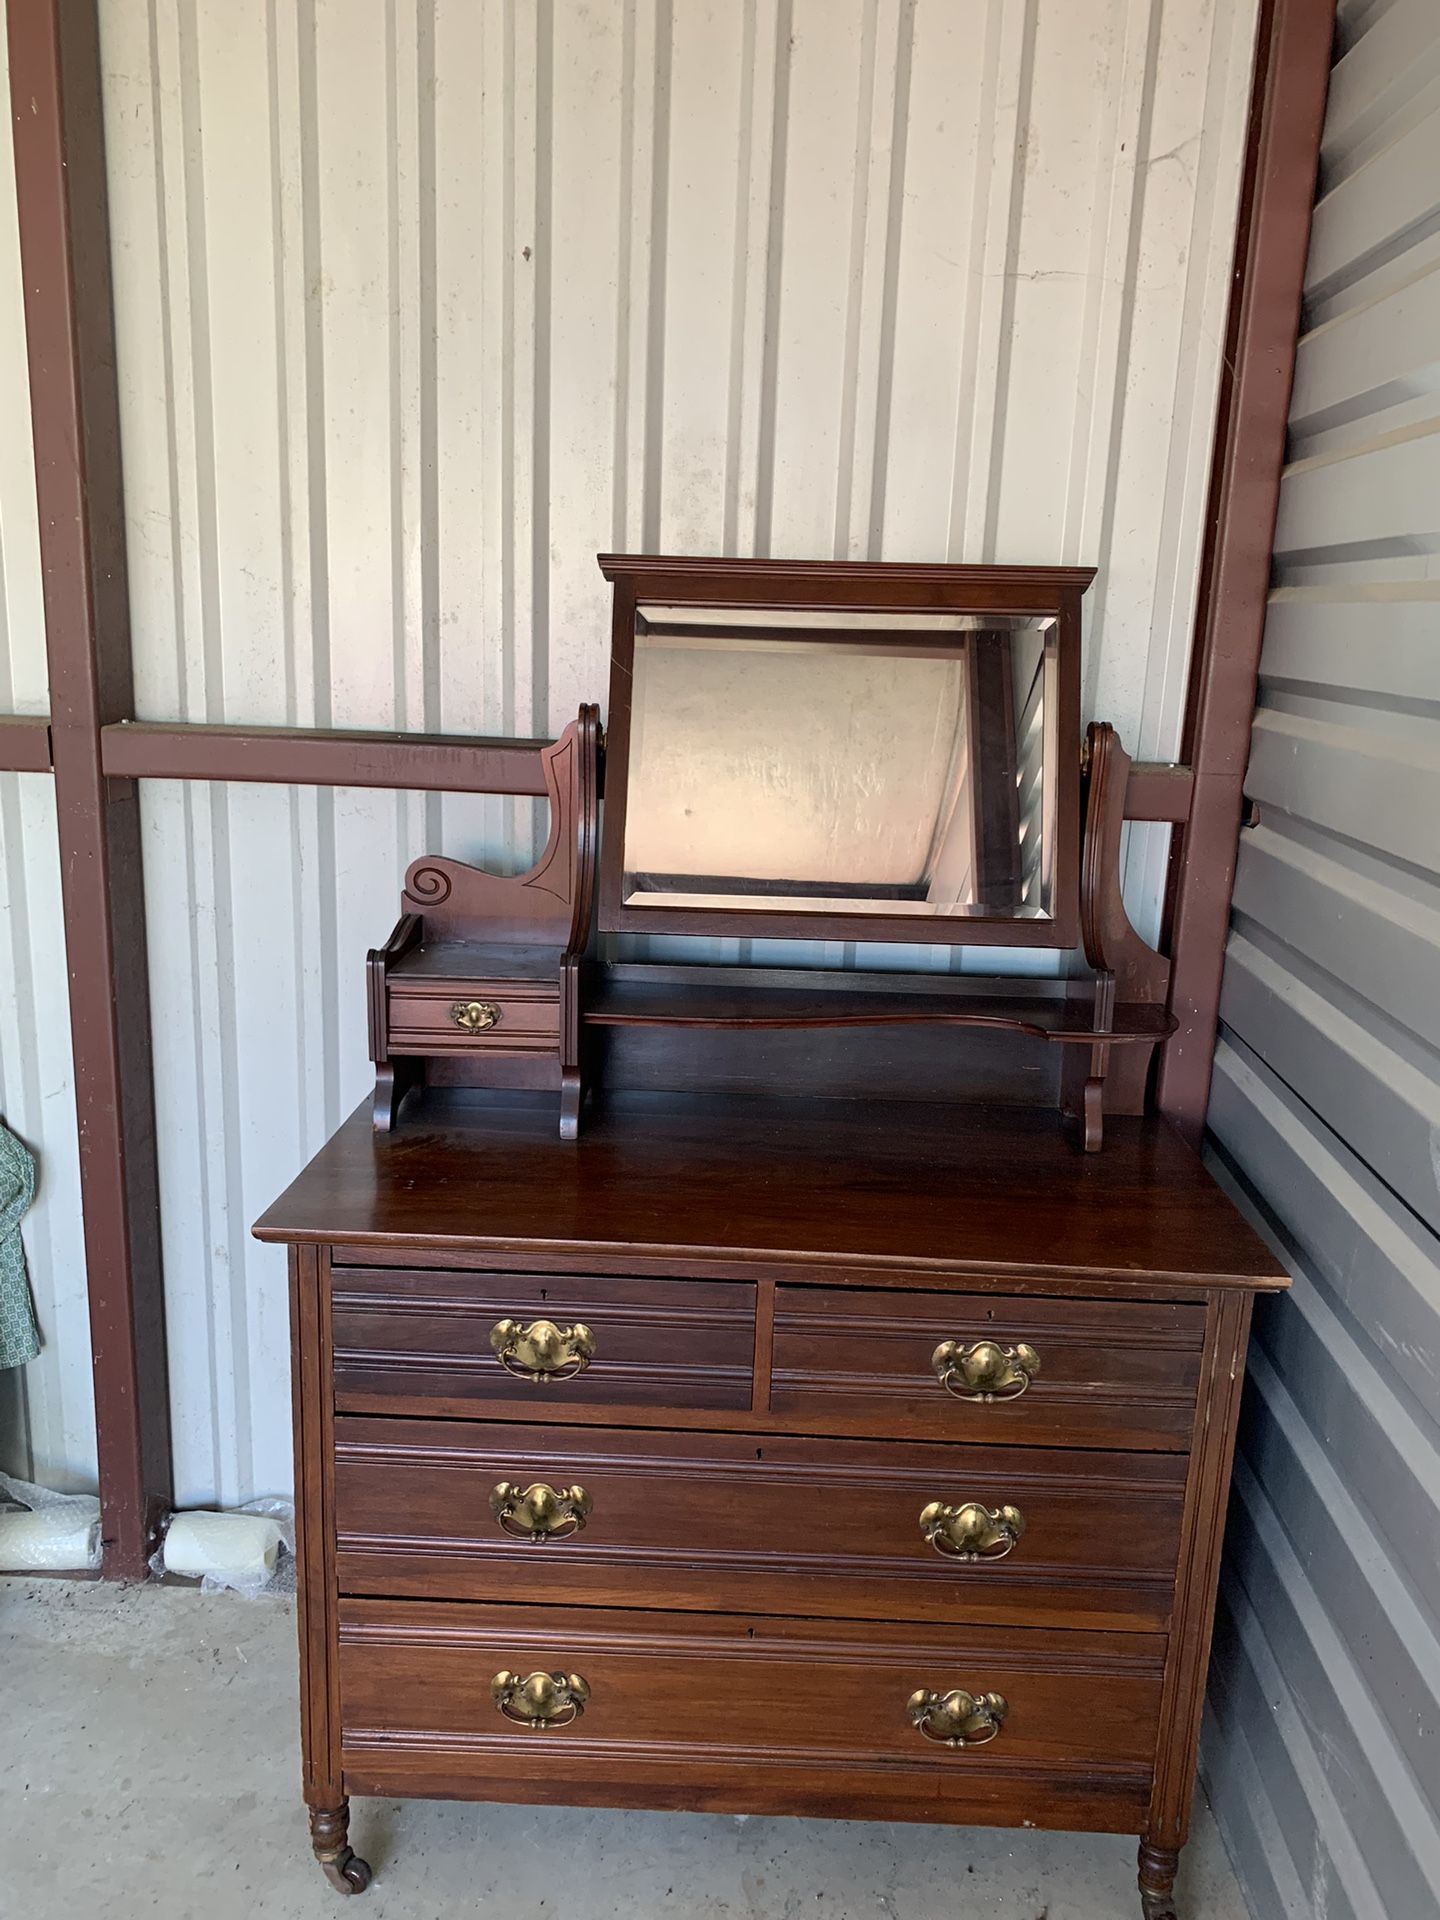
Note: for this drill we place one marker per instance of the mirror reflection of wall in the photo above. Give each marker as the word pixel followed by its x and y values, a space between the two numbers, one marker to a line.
pixel 857 763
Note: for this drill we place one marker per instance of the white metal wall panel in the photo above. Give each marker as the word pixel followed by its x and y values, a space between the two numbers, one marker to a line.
pixel 47 1418
pixel 1320 1752
pixel 423 302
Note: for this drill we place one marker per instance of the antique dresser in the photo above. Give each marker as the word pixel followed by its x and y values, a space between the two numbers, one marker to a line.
pixel 827 1407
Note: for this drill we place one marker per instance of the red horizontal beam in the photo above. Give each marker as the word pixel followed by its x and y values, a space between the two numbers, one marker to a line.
pixel 429 762
pixel 1159 792
pixel 319 757
pixel 24 743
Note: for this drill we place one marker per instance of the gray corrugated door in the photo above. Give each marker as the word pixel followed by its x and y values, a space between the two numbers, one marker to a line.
pixel 1322 1752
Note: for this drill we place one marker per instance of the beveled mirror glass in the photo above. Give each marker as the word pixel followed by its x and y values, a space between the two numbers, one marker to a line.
pixel 843 750
pixel 851 763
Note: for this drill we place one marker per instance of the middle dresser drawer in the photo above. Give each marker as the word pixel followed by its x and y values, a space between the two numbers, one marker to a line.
pixel 428 1341
pixel 724 1522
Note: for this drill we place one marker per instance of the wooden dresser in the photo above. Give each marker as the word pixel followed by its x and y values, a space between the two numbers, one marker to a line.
pixel 748 1455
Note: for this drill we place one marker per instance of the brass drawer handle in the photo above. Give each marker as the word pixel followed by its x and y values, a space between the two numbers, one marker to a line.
pixel 972 1532
pixel 542 1351
pixel 958 1719
pixel 475 1015
pixel 985 1371
pixel 543 1700
pixel 539 1513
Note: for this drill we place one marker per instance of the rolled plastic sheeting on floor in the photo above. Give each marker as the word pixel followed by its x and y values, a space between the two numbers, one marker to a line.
pixel 236 1547
pixel 59 1539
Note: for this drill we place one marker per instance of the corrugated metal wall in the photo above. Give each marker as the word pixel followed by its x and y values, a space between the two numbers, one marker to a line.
pixel 47 1418
pixel 1323 1752
pixel 422 302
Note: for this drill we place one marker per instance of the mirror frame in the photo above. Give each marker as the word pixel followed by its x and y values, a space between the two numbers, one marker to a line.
pixel 845 586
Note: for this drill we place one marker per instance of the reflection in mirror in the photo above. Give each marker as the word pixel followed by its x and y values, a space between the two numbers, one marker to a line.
pixel 882 763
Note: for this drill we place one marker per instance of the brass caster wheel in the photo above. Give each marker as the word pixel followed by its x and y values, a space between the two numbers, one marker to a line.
pixel 347 1873
pixel 1158 1906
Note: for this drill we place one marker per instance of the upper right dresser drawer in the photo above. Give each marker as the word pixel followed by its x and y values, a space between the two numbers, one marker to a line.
pixel 988 1367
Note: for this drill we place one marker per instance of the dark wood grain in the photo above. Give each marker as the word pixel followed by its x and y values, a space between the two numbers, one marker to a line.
pixel 1212 1456
pixel 314 1529
pixel 712 581
pixel 826 1247
pixel 721 1003
pixel 893 1194
pixel 1133 977
pixel 1077 1801
pixel 1112 1374
pixel 420 1018
pixel 460 926
pixel 813 1713
pixel 921 1062
pixel 757 1435
pixel 456 961
pixel 717 1522
pixel 404 1338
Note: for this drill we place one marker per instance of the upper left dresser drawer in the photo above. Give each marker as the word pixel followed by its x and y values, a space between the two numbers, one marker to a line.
pixel 437 1342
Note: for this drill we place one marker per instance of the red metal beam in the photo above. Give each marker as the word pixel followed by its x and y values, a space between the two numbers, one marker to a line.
pixel 424 762
pixel 65 268
pixel 294 756
pixel 24 743
pixel 1292 76
pixel 1156 791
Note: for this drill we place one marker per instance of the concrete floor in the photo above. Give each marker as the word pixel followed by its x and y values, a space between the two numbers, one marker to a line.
pixel 149 1766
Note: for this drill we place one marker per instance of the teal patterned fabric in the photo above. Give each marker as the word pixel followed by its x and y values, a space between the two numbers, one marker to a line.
pixel 19 1338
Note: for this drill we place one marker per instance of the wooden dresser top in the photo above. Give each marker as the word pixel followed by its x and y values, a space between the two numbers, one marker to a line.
pixel 870 1192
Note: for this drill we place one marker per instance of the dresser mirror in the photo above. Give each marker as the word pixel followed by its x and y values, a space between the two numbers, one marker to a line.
pixel 847 752
pixel 871 757
pixel 847 763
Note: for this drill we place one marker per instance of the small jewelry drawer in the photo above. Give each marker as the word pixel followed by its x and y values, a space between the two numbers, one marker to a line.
pixel 845 1529
pixel 450 1017
pixel 429 1341
pixel 718 1709
pixel 986 1367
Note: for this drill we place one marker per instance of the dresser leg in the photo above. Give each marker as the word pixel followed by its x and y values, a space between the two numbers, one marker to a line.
pixel 1157 1881
pixel 329 1836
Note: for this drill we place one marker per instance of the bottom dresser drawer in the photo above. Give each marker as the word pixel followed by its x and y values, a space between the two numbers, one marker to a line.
pixel 725 1712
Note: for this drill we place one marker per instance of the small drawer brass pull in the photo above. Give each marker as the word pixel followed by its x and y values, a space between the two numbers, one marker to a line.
pixel 985 1371
pixel 539 1513
pixel 475 1015
pixel 958 1719
pixel 542 1351
pixel 543 1700
pixel 972 1532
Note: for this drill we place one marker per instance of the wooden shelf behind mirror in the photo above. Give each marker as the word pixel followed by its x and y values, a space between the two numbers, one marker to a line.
pixel 638 996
